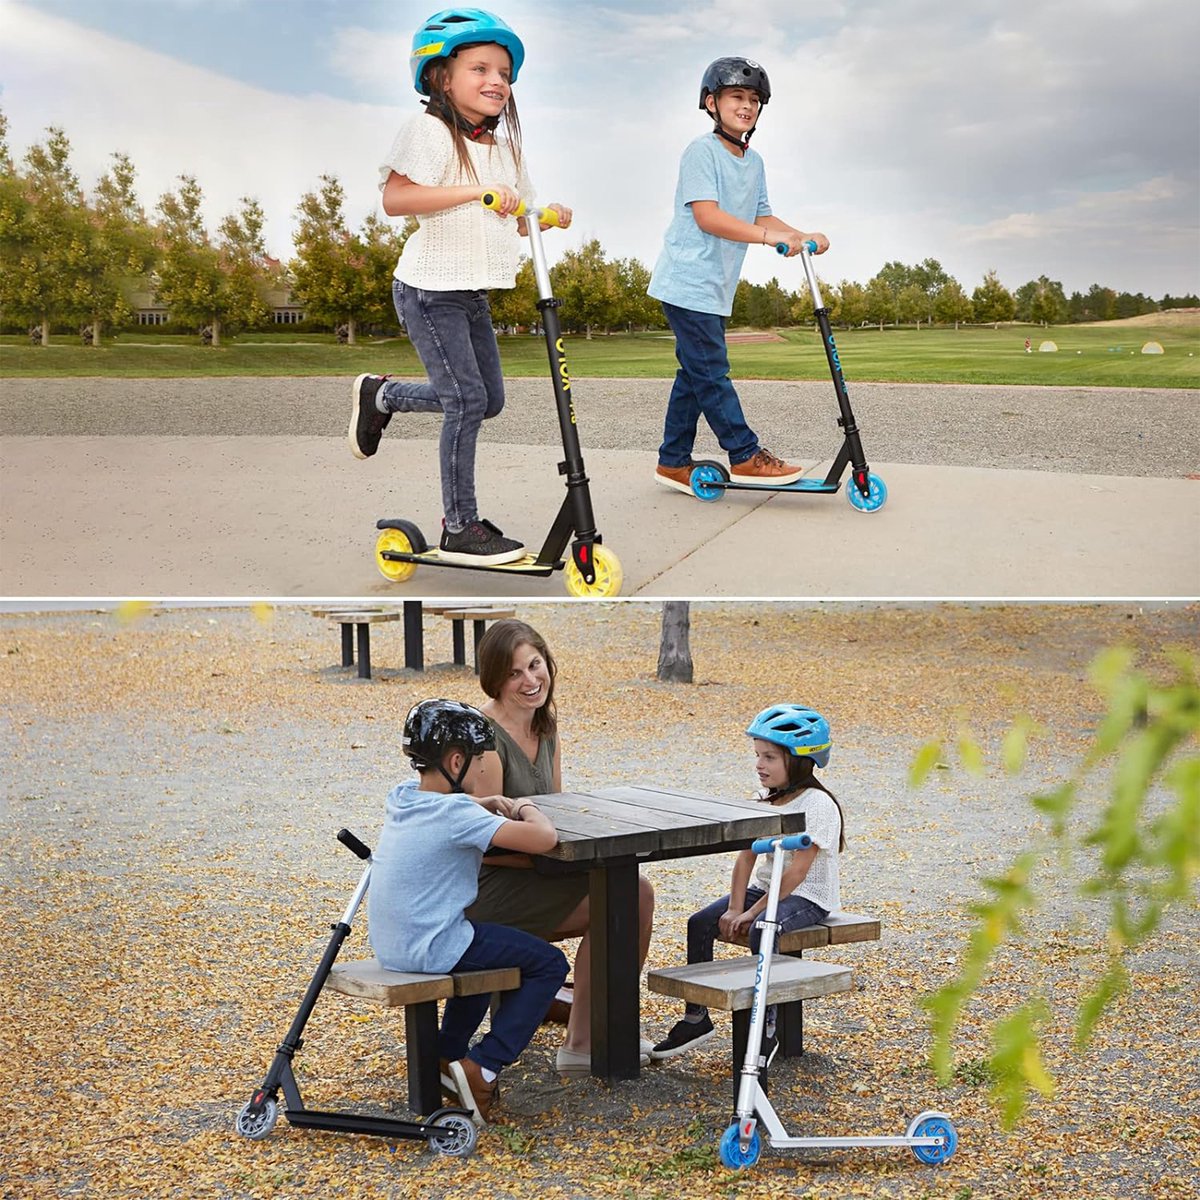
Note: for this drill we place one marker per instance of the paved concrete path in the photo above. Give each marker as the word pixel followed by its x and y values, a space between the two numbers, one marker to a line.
pixel 294 516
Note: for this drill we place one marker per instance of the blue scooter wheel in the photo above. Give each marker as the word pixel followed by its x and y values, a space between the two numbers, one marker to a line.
pixel 875 498
pixel 732 1154
pixel 934 1125
pixel 704 476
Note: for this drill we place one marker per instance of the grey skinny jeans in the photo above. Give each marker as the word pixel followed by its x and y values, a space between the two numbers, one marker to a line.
pixel 453 337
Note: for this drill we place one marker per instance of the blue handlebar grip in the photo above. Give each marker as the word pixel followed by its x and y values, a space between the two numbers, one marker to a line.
pixel 795 841
pixel 782 247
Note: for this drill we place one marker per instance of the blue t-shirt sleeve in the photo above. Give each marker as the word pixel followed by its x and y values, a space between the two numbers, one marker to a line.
pixel 472 825
pixel 697 174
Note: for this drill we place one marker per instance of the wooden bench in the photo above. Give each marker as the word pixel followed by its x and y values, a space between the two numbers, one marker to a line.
pixel 838 929
pixel 459 616
pixel 418 995
pixel 358 620
pixel 728 984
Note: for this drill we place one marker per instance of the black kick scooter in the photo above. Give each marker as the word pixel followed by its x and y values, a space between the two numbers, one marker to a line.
pixel 448 1131
pixel 591 569
pixel 866 492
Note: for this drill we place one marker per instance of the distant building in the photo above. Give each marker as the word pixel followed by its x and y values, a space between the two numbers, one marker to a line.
pixel 280 299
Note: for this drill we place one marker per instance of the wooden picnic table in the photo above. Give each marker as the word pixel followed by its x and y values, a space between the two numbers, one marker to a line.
pixel 609 833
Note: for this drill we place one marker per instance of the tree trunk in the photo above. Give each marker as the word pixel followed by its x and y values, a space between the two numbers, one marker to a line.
pixel 674 654
pixel 45 331
pixel 95 331
pixel 216 328
pixel 351 332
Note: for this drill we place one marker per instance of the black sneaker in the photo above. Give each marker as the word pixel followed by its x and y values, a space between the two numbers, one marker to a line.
pixel 480 544
pixel 367 423
pixel 768 1050
pixel 686 1035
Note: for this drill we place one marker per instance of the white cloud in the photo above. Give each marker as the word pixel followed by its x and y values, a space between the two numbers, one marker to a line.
pixel 1002 133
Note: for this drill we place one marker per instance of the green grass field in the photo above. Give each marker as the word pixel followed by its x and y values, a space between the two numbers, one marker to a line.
pixel 1088 356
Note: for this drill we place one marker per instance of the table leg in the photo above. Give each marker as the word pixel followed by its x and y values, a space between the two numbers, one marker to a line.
pixel 616 1011
pixel 480 629
pixel 460 643
pixel 364 650
pixel 424 1076
pixel 414 636
pixel 347 644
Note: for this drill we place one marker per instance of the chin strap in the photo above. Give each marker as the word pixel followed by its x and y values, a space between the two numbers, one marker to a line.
pixel 439 107
pixel 742 143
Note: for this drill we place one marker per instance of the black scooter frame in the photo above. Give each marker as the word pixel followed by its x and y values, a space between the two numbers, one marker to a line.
pixel 575 514
pixel 258 1116
pixel 851 452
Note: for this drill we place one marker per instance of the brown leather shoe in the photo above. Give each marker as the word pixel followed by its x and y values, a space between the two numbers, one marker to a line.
pixel 474 1092
pixel 679 478
pixel 764 467
pixel 559 1012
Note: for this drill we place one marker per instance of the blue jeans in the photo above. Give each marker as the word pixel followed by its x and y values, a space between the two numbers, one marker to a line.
pixel 702 388
pixel 453 337
pixel 794 912
pixel 543 969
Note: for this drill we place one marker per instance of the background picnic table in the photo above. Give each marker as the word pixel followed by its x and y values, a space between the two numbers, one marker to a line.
pixel 171 791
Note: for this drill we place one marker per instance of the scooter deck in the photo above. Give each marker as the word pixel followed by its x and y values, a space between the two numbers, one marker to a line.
pixel 529 564
pixel 798 485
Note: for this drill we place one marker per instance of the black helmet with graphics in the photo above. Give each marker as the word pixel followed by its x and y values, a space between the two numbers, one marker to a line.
pixel 435 727
pixel 734 72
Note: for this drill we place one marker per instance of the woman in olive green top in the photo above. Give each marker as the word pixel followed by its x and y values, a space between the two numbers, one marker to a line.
pixel 517 671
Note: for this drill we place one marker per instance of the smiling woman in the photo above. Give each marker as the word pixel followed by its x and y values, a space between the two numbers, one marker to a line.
pixel 517 671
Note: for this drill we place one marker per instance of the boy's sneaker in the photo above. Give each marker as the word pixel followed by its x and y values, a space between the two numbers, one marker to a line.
pixel 480 544
pixel 474 1092
pixel 686 1035
pixel 367 423
pixel 679 478
pixel 764 467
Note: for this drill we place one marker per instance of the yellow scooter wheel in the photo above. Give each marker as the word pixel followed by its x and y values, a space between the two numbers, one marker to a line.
pixel 397 540
pixel 608 576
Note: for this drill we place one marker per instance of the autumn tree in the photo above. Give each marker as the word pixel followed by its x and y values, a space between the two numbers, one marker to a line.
pixel 634 307
pixel 342 277
pixel 993 301
pixel 1139 852
pixel 953 304
pixel 516 306
pixel 586 283
pixel 118 248
pixel 852 303
pixel 880 301
pixel 41 236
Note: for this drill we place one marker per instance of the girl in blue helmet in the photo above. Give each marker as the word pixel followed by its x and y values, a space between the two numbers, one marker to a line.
pixel 789 742
pixel 468 141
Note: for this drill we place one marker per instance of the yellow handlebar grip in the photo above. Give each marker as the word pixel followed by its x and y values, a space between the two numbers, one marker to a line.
pixel 547 216
pixel 492 201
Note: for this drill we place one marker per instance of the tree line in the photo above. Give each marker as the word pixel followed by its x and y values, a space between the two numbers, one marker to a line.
pixel 74 259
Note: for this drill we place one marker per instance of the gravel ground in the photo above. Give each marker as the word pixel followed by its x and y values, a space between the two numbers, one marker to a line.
pixel 170 792
pixel 1102 431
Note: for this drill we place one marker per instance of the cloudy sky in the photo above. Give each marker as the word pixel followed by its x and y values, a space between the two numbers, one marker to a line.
pixel 1057 137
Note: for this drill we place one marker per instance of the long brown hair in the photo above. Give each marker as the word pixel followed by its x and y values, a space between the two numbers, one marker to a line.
pixel 495 659
pixel 442 107
pixel 801 776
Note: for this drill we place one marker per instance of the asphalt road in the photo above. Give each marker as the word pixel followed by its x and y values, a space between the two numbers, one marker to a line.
pixel 1096 431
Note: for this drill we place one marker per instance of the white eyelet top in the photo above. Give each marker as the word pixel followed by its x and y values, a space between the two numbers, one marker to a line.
pixel 467 247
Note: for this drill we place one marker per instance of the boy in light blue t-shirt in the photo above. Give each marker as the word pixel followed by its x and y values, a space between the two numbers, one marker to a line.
pixel 425 873
pixel 721 207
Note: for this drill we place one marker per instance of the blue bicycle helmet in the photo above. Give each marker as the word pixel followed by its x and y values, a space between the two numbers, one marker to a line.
pixel 452 28
pixel 801 731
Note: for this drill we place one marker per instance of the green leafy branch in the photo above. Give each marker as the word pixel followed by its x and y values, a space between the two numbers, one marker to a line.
pixel 1139 861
